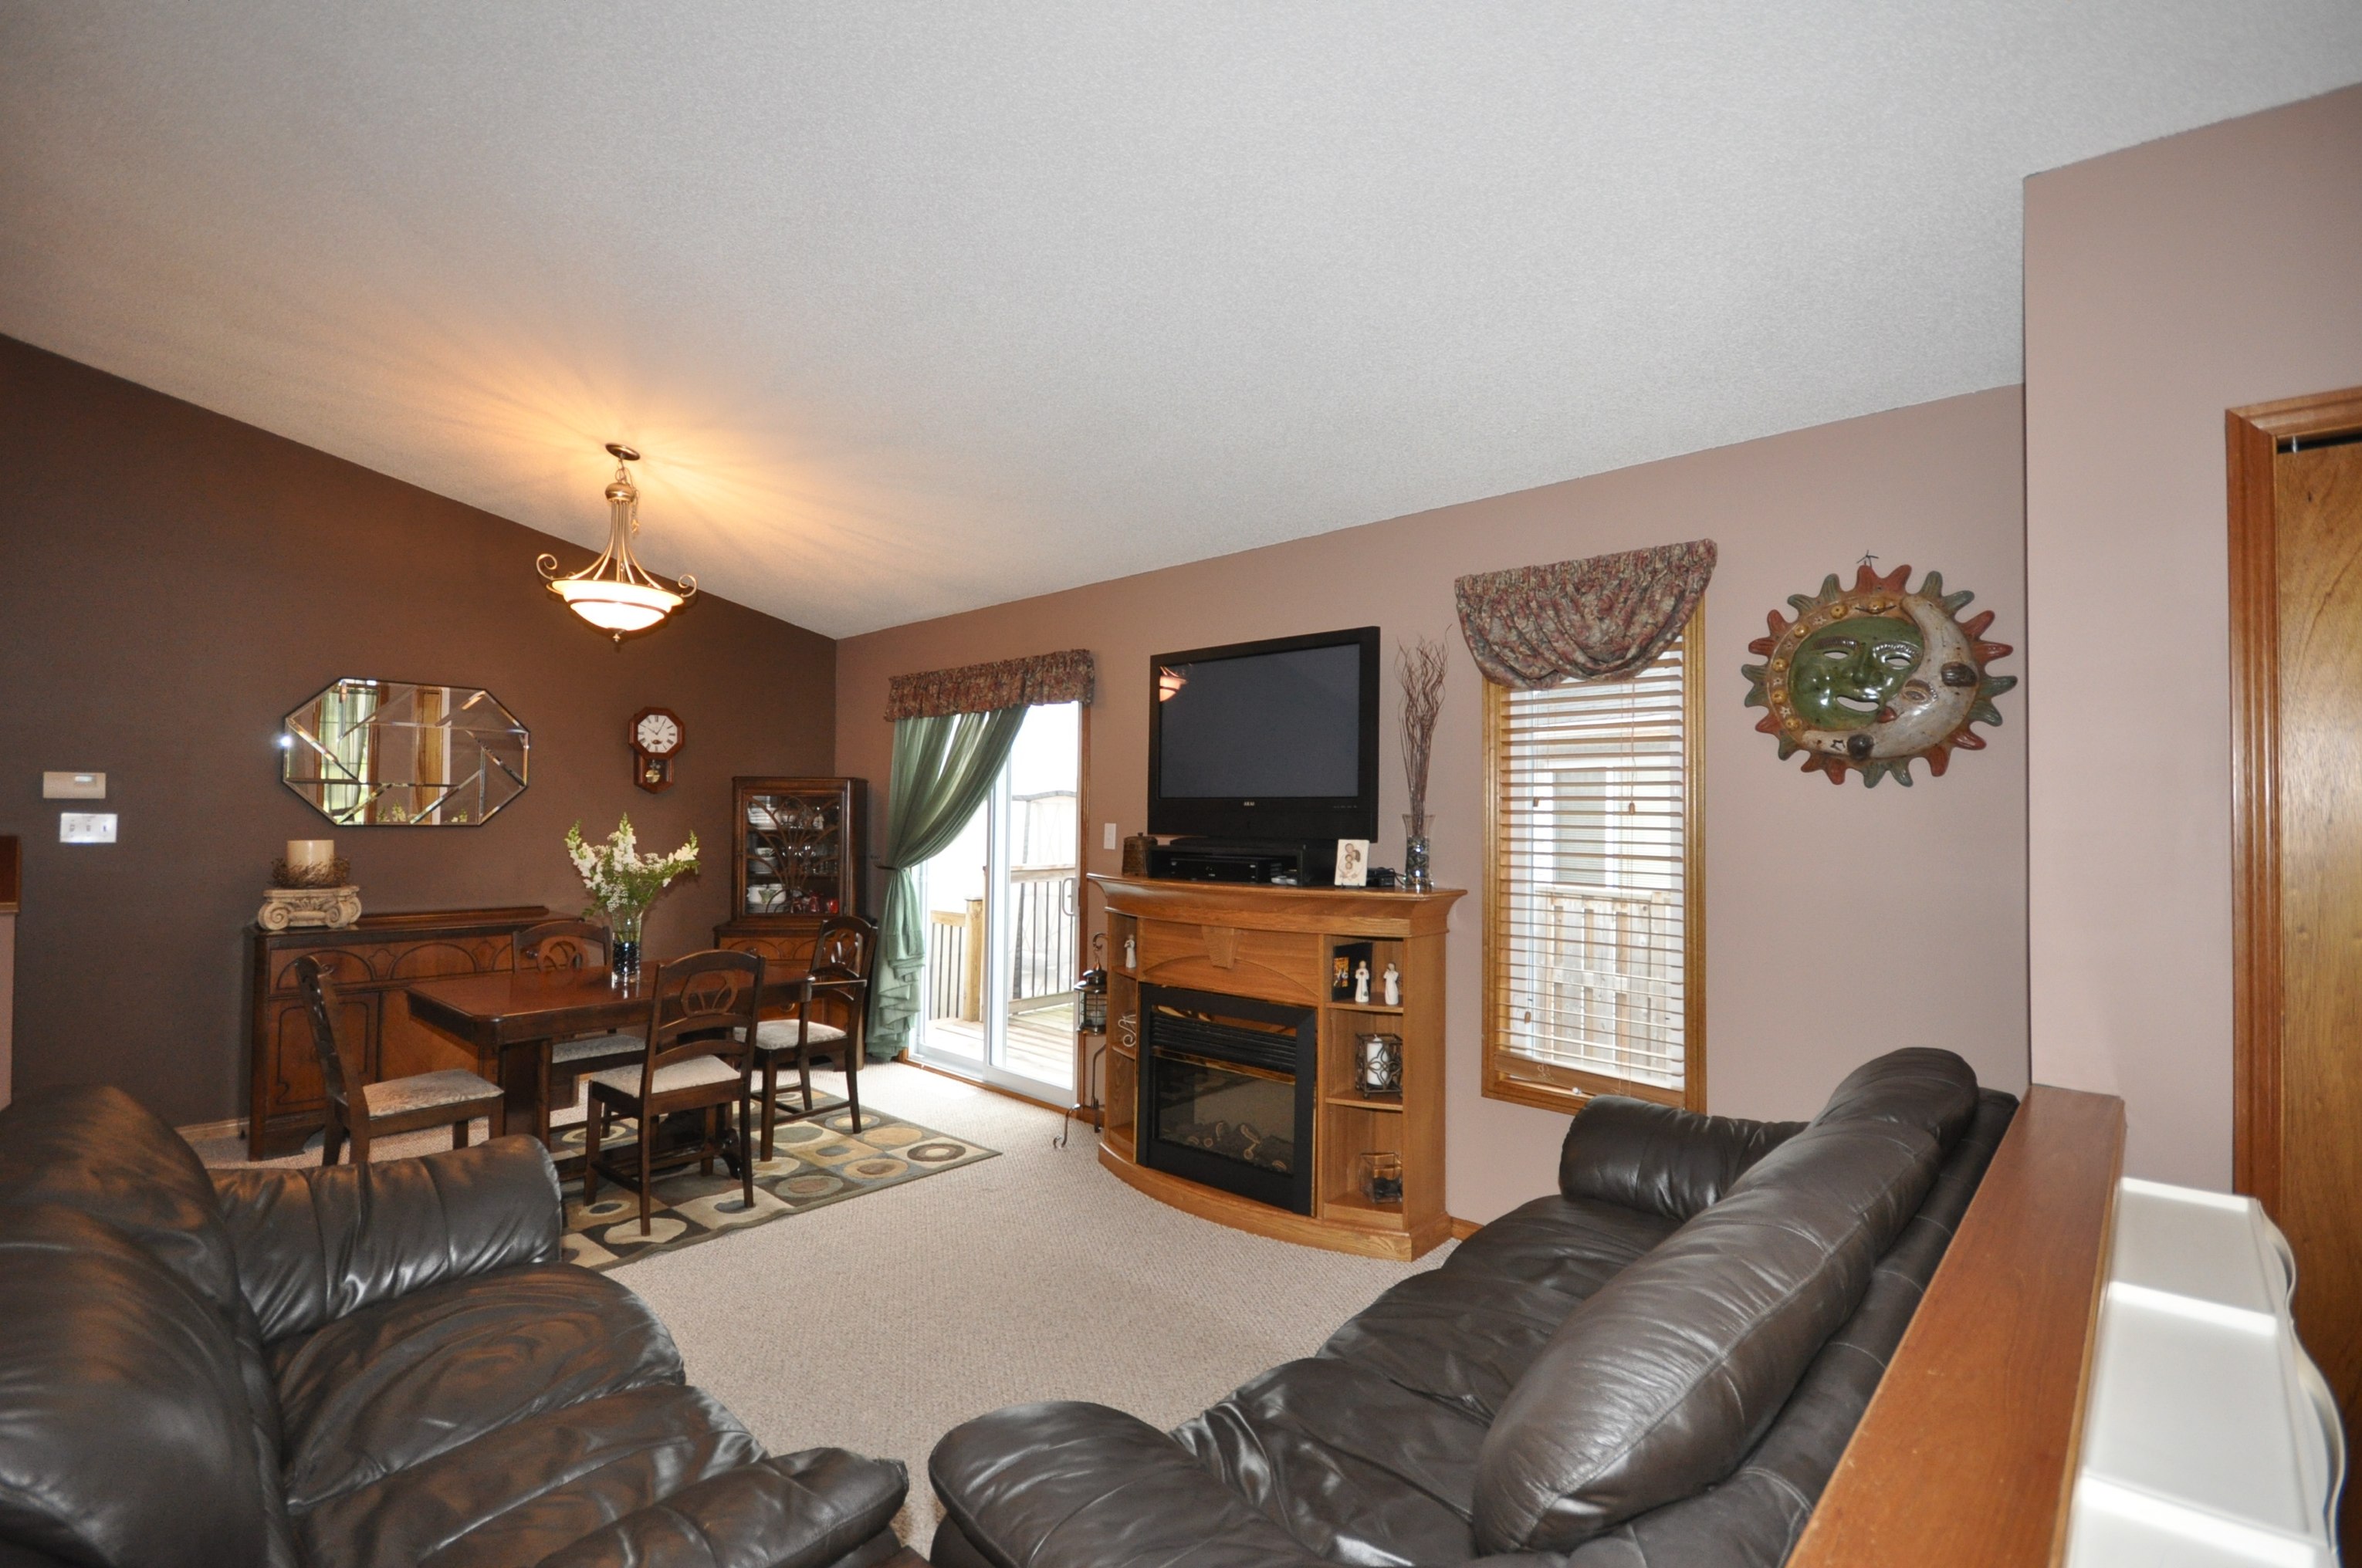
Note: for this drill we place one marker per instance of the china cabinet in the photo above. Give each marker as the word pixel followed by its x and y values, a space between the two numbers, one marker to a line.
pixel 798 848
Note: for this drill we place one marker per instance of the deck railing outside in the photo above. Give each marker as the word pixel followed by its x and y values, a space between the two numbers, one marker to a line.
pixel 1043 901
pixel 953 937
pixel 1611 981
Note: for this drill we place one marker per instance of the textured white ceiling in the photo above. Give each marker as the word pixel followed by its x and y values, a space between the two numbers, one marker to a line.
pixel 915 308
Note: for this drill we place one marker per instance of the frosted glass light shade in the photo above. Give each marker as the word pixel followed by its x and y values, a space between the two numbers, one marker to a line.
pixel 616 606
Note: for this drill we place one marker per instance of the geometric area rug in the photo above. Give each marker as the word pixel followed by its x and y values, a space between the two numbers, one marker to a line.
pixel 814 1163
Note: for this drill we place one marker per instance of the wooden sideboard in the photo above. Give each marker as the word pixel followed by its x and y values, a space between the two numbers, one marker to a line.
pixel 1276 944
pixel 372 963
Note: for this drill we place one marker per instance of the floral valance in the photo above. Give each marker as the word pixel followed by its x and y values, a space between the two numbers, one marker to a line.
pixel 982 688
pixel 1601 619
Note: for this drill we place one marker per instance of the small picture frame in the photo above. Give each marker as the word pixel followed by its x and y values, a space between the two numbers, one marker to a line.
pixel 1353 862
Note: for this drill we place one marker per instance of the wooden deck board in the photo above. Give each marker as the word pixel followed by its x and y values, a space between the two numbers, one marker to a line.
pixel 1041 1044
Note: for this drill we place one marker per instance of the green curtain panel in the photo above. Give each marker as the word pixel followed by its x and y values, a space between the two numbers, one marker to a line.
pixel 944 767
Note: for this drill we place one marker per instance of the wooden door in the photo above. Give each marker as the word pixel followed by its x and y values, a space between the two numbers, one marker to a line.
pixel 2296 473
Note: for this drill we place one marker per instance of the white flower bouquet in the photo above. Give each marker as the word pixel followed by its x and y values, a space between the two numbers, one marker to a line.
pixel 623 882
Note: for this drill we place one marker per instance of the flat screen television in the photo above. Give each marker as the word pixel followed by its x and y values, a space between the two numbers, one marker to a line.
pixel 1271 740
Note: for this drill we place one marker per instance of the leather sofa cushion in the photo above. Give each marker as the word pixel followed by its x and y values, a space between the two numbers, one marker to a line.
pixel 1665 1380
pixel 520 1493
pixel 97 1150
pixel 1660 1158
pixel 101 1151
pixel 1932 1090
pixel 1354 1466
pixel 313 1245
pixel 823 1508
pixel 1466 1332
pixel 1067 1484
pixel 125 1437
pixel 1462 1339
pixel 1571 1245
pixel 1754 1519
pixel 395 1384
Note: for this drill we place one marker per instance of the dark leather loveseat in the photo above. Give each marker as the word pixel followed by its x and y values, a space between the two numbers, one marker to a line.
pixel 1659 1365
pixel 373 1367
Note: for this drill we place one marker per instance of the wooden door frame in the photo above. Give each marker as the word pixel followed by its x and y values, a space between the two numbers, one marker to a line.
pixel 2252 438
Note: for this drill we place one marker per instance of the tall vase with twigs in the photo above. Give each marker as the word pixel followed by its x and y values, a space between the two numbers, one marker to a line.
pixel 1422 665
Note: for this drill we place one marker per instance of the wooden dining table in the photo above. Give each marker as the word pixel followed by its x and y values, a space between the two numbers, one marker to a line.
pixel 510 1017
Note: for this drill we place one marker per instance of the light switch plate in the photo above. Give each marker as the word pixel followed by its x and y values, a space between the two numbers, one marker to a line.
pixel 1107 839
pixel 73 787
pixel 86 827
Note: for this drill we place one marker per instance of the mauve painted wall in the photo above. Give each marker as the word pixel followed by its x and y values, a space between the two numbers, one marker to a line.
pixel 1841 923
pixel 172 582
pixel 2164 284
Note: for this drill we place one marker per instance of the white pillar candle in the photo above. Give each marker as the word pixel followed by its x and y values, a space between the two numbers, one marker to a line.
pixel 310 852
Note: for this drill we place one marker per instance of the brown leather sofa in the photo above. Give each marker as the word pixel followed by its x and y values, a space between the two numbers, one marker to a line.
pixel 380 1366
pixel 1660 1363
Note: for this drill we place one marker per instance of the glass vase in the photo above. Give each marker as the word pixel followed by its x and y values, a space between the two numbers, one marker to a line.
pixel 624 930
pixel 1417 877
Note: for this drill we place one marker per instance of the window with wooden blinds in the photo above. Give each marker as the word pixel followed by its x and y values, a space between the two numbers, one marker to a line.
pixel 1593 954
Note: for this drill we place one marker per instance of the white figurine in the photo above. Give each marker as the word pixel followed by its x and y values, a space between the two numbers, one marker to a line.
pixel 1131 954
pixel 1394 986
pixel 1362 981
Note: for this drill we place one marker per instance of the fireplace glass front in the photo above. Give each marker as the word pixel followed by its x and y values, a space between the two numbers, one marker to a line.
pixel 1226 1094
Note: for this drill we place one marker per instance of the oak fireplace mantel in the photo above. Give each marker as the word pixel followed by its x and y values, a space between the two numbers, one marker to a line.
pixel 1279 946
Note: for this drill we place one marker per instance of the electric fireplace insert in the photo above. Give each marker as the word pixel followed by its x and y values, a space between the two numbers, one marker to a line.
pixel 1227 1087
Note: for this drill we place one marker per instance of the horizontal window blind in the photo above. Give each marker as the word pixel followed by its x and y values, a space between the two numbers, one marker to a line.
pixel 1588 941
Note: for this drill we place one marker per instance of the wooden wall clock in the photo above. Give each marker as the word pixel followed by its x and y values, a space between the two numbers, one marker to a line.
pixel 656 737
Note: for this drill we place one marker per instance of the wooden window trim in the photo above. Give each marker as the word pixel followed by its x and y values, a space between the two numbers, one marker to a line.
pixel 1521 1081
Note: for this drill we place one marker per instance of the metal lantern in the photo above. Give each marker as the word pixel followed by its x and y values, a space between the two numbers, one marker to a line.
pixel 1091 996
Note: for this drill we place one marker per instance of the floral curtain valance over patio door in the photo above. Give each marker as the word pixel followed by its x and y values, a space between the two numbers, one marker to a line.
pixel 953 732
pixel 1601 619
pixel 1035 682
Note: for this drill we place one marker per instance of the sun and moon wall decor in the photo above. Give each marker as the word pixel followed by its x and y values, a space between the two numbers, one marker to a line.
pixel 1875 675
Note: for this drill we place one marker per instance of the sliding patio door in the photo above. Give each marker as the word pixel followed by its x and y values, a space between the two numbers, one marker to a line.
pixel 1003 905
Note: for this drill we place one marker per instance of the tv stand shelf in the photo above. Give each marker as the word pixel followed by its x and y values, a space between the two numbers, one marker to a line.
pixel 1275 944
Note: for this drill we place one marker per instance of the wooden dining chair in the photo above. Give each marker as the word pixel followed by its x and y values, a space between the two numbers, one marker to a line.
pixel 361 1110
pixel 843 957
pixel 573 945
pixel 700 1009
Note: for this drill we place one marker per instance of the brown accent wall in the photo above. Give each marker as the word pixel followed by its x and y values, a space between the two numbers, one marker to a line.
pixel 2164 284
pixel 172 582
pixel 1839 923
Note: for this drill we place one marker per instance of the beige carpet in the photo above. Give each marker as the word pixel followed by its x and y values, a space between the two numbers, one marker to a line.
pixel 879 1325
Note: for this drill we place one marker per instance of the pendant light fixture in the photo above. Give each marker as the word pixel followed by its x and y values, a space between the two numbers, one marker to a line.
pixel 616 593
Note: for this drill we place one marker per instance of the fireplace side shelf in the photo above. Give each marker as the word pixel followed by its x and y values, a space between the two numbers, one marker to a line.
pixel 1250 942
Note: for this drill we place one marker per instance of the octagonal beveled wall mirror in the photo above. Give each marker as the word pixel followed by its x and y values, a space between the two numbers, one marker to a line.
pixel 369 753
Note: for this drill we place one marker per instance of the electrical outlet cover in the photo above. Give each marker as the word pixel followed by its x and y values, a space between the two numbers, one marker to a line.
pixel 86 827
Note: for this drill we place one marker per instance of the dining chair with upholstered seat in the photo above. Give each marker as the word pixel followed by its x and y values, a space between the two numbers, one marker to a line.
pixel 843 957
pixel 701 1011
pixel 574 945
pixel 360 1111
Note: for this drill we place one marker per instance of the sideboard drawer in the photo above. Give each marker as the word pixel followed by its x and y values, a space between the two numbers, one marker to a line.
pixel 1280 966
